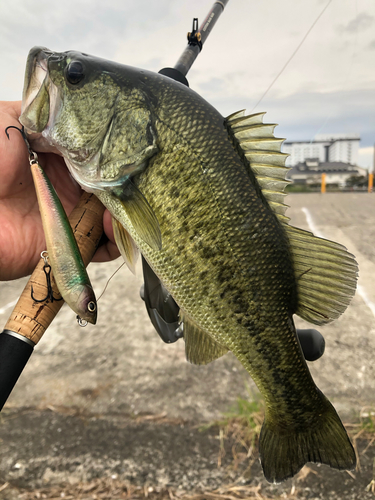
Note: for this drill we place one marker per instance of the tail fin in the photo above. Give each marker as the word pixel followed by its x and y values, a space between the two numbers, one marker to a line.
pixel 283 453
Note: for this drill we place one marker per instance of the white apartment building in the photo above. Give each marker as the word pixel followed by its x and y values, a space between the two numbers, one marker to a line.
pixel 326 147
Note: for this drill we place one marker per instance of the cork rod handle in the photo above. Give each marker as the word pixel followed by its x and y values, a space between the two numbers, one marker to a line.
pixel 31 319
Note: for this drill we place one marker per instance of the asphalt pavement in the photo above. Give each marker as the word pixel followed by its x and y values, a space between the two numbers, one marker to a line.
pixel 114 399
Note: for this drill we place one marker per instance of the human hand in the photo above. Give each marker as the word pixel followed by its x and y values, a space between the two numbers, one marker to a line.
pixel 21 232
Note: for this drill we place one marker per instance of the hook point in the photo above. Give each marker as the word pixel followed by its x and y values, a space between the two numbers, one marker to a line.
pixel 24 136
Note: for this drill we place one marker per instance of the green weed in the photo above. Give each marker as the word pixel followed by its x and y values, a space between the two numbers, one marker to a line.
pixel 241 425
pixel 367 420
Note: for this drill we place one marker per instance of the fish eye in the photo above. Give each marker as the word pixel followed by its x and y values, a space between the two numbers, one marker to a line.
pixel 91 306
pixel 74 72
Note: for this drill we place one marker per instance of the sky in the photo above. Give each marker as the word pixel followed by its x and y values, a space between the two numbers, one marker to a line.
pixel 327 87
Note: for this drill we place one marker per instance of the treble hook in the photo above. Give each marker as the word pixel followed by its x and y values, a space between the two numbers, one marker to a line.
pixel 33 157
pixel 47 272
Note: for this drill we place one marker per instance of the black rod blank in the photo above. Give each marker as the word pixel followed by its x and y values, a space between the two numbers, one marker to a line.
pixel 15 351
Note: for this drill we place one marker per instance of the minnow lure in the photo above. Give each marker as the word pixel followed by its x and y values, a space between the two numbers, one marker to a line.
pixel 68 268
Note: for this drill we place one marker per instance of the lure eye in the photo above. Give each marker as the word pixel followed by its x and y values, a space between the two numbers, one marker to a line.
pixel 74 72
pixel 91 306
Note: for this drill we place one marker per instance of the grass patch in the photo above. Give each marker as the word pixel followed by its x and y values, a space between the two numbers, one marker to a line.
pixel 242 425
pixel 301 188
pixel 114 489
pixel 367 421
pixel 363 428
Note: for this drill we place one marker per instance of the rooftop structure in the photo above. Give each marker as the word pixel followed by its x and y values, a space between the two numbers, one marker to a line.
pixel 337 173
pixel 326 147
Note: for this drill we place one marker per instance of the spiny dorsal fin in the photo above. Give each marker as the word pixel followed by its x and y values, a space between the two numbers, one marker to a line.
pixel 263 150
pixel 326 276
pixel 326 273
pixel 125 244
pixel 200 348
pixel 235 115
pixel 238 122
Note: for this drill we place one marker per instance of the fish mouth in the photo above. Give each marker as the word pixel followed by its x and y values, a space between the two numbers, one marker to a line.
pixel 39 98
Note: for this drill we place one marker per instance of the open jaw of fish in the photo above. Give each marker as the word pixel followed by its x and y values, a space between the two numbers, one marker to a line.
pixel 201 196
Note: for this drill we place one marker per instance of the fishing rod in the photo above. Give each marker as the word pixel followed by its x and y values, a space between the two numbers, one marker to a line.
pixel 29 319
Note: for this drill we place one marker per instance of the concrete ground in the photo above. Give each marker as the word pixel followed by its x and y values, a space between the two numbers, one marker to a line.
pixel 114 400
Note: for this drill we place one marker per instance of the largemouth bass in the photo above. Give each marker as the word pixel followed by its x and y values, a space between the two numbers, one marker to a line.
pixel 201 196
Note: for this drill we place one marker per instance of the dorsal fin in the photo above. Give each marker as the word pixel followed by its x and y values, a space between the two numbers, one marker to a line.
pixel 263 151
pixel 325 272
pixel 326 276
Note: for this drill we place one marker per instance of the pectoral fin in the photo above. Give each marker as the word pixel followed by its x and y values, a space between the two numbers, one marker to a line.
pixel 126 245
pixel 141 214
pixel 200 348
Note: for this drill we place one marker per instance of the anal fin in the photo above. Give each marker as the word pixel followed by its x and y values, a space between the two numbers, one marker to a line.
pixel 200 348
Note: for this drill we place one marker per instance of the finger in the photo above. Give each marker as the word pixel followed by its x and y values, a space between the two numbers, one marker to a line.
pixel 108 250
pixel 107 226
pixel 13 108
pixel 37 141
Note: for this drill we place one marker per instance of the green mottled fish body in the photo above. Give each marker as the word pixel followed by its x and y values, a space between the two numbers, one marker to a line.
pixel 201 197
pixel 225 257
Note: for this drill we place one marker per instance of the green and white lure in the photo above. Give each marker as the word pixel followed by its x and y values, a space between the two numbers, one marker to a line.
pixel 68 268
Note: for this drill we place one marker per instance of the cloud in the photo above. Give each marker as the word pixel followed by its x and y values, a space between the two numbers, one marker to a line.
pixel 361 22
pixel 304 114
pixel 329 83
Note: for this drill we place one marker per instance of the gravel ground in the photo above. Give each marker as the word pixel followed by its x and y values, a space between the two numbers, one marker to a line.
pixel 113 403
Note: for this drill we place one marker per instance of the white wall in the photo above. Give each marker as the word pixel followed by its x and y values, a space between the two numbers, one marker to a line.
pixel 343 148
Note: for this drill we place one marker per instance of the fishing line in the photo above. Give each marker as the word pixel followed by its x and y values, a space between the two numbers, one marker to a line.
pixel 291 57
pixel 105 288
pixel 84 323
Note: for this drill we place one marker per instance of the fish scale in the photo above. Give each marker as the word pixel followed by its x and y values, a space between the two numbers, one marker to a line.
pixel 202 198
